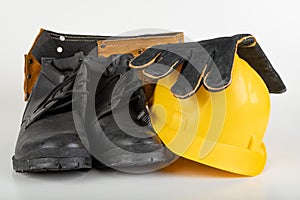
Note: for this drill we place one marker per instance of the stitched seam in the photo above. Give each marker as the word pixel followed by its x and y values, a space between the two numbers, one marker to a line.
pixel 91 36
pixel 146 64
pixel 87 40
pixel 79 37
pixel 123 43
pixel 163 75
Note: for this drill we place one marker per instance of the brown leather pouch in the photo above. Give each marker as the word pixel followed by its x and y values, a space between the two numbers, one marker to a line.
pixel 50 44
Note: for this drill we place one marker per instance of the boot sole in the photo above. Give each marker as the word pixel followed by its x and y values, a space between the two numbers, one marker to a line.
pixel 52 164
pixel 137 162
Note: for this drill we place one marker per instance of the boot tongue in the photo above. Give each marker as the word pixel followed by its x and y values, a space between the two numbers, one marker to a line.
pixel 54 72
pixel 68 64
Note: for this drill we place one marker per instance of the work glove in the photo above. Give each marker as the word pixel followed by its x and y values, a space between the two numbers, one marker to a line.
pixel 208 63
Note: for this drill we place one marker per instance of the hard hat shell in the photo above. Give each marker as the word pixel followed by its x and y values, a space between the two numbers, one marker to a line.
pixel 222 129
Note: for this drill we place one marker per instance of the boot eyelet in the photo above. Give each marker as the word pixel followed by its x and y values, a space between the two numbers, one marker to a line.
pixel 59 49
pixel 62 38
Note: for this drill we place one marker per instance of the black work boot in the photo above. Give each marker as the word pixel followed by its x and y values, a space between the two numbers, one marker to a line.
pixel 122 137
pixel 48 140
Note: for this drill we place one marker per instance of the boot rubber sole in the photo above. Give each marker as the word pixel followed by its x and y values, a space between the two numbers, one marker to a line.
pixel 52 164
pixel 135 163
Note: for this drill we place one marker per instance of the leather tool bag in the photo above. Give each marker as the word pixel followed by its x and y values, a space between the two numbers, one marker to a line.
pixel 59 45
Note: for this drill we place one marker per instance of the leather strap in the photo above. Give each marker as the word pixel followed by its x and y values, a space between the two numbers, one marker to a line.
pixel 32 70
pixel 136 45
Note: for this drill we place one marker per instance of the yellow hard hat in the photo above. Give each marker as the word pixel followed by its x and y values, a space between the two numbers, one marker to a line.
pixel 221 128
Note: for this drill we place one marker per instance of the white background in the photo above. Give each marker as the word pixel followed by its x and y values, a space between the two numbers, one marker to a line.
pixel 274 23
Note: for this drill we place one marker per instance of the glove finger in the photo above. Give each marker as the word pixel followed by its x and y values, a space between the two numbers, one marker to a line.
pixel 217 78
pixel 166 63
pixel 218 73
pixel 256 58
pixel 147 58
pixel 189 82
pixel 192 74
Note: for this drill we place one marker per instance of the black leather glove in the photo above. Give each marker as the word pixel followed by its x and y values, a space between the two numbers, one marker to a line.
pixel 206 62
